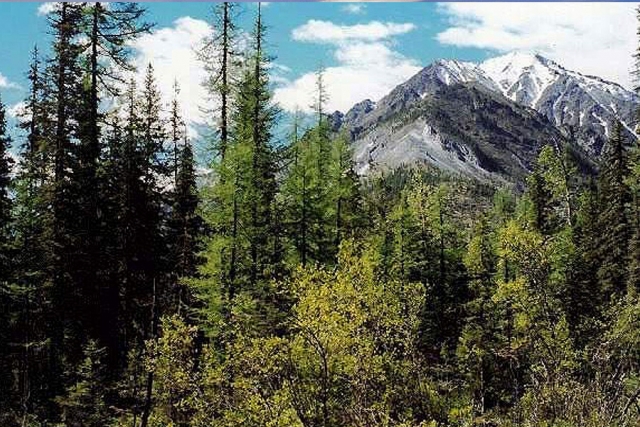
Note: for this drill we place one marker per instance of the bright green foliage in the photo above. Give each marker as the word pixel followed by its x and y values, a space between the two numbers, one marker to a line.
pixel 346 361
pixel 320 194
pixel 171 360
pixel 354 337
pixel 304 193
pixel 406 298
pixel 439 261
pixel 559 175
pixel 622 345
pixel 540 330
pixel 481 333
pixel 345 205
pixel 244 253
pixel 408 241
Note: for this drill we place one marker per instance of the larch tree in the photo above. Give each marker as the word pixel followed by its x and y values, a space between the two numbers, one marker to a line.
pixel 242 253
pixel 222 57
pixel 303 196
pixel 343 192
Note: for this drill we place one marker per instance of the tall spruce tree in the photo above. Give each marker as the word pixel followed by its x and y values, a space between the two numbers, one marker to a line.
pixel 65 73
pixel 255 118
pixel 32 298
pixel 633 182
pixel 540 197
pixel 144 248
pixel 139 163
pixel 109 30
pixel 5 183
pixel 613 220
pixel 584 297
pixel 185 223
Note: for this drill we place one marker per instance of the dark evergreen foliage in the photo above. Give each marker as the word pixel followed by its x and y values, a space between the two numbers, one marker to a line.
pixel 283 289
pixel 613 220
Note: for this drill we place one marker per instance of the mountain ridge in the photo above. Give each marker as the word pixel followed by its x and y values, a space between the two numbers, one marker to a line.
pixel 580 107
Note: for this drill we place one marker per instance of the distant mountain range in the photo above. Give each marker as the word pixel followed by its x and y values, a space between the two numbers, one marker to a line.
pixel 487 120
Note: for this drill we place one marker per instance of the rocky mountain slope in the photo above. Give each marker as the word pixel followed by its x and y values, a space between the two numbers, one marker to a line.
pixel 488 119
pixel 583 105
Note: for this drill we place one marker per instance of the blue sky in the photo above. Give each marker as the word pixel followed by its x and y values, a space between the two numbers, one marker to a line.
pixel 367 48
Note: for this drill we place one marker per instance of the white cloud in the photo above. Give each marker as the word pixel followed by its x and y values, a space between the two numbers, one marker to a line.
pixel 173 53
pixel 17 111
pixel 354 8
pixel 328 32
pixel 6 84
pixel 593 38
pixel 367 66
pixel 46 8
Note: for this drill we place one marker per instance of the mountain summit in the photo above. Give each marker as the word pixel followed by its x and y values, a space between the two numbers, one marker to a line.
pixel 570 105
pixel 583 105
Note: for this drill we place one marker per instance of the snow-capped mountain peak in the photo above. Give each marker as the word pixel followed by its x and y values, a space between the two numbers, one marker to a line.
pixel 453 71
pixel 580 107
pixel 586 105
pixel 522 77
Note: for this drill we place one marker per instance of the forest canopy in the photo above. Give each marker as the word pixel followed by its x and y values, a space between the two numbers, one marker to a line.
pixel 283 289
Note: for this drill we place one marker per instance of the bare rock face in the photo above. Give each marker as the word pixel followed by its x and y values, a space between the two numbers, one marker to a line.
pixel 488 120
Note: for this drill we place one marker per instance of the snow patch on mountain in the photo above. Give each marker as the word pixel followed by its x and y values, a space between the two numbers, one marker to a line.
pixel 583 106
pixel 522 77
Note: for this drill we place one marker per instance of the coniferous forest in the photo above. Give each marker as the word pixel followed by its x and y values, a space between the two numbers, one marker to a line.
pixel 282 289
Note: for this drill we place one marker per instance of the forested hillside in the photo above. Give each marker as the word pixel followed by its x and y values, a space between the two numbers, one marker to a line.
pixel 286 290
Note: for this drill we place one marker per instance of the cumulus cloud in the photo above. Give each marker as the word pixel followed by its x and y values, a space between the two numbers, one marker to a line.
pixel 173 53
pixel 6 84
pixel 593 38
pixel 367 66
pixel 327 32
pixel 46 8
